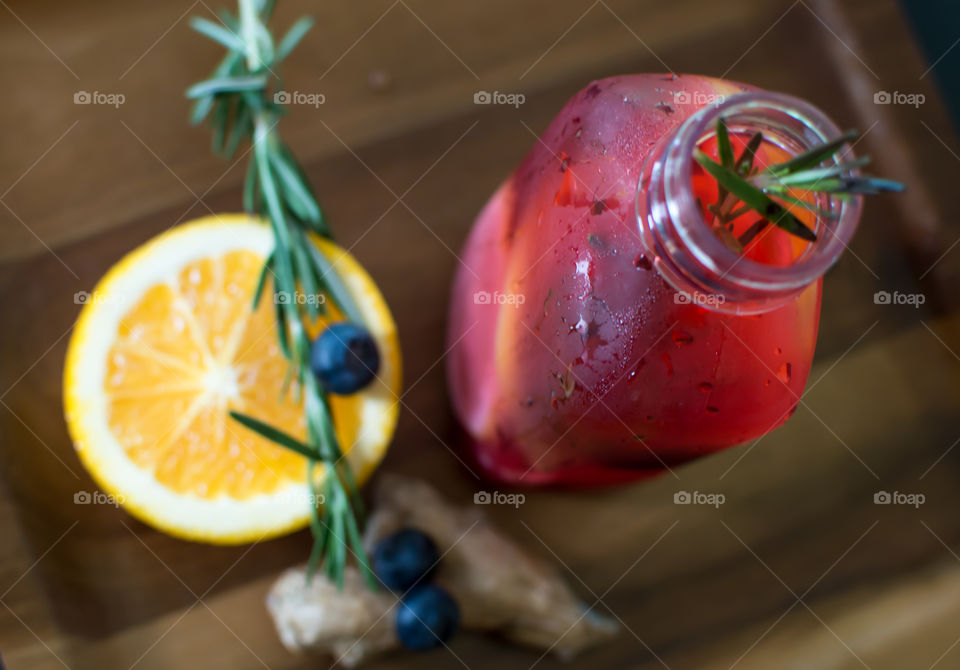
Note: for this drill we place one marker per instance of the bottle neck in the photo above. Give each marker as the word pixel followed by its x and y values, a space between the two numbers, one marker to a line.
pixel 680 242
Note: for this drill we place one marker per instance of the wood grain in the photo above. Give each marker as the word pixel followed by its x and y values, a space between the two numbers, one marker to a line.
pixel 695 587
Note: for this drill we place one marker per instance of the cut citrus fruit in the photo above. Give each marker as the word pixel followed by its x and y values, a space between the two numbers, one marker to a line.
pixel 167 343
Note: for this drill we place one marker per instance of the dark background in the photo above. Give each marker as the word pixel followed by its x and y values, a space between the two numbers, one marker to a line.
pixel 934 24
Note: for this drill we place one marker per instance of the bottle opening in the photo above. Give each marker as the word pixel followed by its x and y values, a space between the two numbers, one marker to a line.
pixel 681 233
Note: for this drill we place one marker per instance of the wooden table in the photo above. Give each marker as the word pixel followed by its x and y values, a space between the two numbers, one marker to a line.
pixel 798 569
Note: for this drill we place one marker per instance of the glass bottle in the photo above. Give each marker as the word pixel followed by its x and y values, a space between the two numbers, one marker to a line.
pixel 600 331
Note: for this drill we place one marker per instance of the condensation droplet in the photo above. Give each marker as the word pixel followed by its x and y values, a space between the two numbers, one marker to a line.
pixel 636 369
pixel 784 373
pixel 665 357
pixel 641 262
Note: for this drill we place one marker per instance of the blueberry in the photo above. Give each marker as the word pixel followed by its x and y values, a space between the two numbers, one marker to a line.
pixel 345 358
pixel 402 559
pixel 427 617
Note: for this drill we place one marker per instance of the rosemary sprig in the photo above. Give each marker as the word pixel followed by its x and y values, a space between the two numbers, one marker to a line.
pixel 237 100
pixel 766 191
pixel 756 199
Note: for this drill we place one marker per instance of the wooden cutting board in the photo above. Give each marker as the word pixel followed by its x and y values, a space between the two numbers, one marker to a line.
pixel 798 568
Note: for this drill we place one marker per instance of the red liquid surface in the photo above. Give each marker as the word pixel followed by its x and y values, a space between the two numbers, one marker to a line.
pixel 770 245
pixel 572 361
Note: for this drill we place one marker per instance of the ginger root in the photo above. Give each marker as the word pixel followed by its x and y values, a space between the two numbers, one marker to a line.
pixel 499 586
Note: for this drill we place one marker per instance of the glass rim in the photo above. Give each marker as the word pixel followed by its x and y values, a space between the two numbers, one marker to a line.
pixel 705 246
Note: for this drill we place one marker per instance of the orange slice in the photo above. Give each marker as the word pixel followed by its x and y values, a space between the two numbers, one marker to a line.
pixel 168 343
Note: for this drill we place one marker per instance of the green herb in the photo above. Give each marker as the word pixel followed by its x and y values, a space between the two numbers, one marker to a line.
pixel 744 164
pixel 238 100
pixel 765 192
pixel 755 198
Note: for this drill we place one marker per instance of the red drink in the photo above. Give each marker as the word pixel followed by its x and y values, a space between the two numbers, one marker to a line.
pixel 600 331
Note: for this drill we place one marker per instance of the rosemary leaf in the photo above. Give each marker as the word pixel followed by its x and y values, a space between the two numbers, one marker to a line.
pixel 816 174
pixel 748 236
pixel 810 206
pixel 774 212
pixel 814 156
pixel 201 108
pixel 229 20
pixel 283 262
pixel 282 336
pixel 319 543
pixel 266 9
pixel 725 152
pixel 867 185
pixel 724 148
pixel 203 104
pixel 289 41
pixel 744 163
pixel 874 185
pixel 275 435
pixel 319 530
pixel 356 542
pixel 728 239
pixel 339 532
pixel 221 114
pixel 297 192
pixel 250 189
pixel 217 33
pixel 353 491
pixel 319 225
pixel 262 280
pixel 255 82
pixel 335 286
pixel 242 123
pixel 264 43
pixel 314 279
pixel 341 465
pixel 319 423
pixel 306 279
